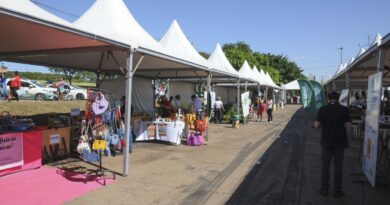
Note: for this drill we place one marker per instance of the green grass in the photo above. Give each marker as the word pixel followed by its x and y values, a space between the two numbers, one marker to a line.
pixel 31 107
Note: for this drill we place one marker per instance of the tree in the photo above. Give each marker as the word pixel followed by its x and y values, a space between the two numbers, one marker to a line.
pixel 68 72
pixel 204 54
pixel 280 68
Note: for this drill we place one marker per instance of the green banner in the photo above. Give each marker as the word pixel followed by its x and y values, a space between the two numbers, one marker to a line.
pixel 306 94
pixel 319 98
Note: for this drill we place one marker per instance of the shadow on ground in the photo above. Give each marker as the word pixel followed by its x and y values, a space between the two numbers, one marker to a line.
pixel 289 172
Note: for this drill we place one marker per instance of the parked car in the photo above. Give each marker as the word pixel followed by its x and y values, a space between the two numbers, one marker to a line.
pixel 33 90
pixel 72 92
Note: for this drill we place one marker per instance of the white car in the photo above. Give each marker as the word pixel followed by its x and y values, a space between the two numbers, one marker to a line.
pixel 72 92
pixel 33 90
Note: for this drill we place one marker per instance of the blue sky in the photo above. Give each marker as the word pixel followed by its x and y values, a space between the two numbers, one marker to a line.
pixel 307 31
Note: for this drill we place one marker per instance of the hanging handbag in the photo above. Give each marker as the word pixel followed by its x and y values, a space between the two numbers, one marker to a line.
pixel 100 105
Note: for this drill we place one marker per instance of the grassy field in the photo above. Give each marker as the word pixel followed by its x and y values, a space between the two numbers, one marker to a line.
pixel 26 108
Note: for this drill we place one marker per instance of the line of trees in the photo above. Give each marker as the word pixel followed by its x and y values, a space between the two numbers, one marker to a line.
pixel 280 68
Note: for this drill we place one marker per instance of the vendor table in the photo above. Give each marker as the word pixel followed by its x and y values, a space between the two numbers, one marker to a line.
pixel 20 151
pixel 161 131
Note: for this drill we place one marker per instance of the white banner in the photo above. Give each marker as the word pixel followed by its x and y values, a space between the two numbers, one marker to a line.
pixel 163 131
pixel 372 126
pixel 245 101
pixel 213 98
pixel 344 97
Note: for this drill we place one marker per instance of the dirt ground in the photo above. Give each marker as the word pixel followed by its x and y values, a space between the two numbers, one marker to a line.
pixel 259 163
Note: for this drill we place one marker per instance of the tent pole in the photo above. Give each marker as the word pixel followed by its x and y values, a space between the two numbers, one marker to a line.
pixel 209 106
pixel 129 83
pixel 266 94
pixel 246 86
pixel 238 96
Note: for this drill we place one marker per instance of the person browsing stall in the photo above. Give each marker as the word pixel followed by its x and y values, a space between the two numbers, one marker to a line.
pixel 177 102
pixel 196 104
pixel 335 121
pixel 15 85
pixel 270 107
pixel 219 109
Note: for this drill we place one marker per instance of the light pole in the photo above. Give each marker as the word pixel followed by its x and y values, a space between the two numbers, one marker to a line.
pixel 341 55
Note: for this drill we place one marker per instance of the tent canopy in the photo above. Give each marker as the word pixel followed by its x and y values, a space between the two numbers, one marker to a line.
pixel 293 85
pixel 363 66
pixel 246 73
pixel 35 36
pixel 218 61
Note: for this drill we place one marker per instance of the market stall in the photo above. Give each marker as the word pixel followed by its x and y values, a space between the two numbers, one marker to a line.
pixel 20 151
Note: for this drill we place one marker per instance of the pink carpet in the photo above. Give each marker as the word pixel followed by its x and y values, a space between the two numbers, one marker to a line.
pixel 44 186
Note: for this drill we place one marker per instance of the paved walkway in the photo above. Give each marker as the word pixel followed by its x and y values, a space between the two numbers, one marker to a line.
pixel 259 163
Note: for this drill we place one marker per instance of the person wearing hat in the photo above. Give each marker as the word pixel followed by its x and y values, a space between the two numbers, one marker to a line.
pixel 218 110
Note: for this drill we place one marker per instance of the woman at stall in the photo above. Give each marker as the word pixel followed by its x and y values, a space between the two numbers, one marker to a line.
pixel 166 107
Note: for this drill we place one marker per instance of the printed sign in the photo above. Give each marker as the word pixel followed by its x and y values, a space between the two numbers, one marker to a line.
pixel 55 139
pixel 372 126
pixel 245 103
pixel 344 97
pixel 11 150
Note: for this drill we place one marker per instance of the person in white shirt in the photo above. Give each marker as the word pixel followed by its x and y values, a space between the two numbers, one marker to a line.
pixel 177 102
pixel 270 106
pixel 196 104
pixel 219 109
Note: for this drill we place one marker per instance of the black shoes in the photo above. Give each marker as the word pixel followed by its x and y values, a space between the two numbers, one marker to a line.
pixel 337 194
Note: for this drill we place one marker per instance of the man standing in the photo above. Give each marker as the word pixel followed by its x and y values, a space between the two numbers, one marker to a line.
pixel 15 84
pixel 219 109
pixel 335 121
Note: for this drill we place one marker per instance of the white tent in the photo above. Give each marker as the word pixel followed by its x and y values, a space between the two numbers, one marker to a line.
pixel 351 61
pixel 177 43
pixel 293 85
pixel 341 67
pixel 246 73
pixel 218 61
pixel 377 40
pixel 36 37
pixel 26 6
pixel 361 51
pixel 112 19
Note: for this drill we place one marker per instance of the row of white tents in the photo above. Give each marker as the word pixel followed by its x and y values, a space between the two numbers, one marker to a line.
pixel 111 19
pixel 344 68
pixel 108 39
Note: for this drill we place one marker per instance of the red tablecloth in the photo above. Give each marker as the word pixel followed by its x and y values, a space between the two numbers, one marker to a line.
pixel 31 151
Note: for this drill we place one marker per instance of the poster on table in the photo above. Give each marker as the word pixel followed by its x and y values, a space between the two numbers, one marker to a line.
pixel 344 97
pixel 11 150
pixel 245 101
pixel 372 126
pixel 144 130
pixel 306 94
pixel 170 131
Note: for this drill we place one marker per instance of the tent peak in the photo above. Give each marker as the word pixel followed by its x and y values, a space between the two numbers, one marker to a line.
pixel 377 40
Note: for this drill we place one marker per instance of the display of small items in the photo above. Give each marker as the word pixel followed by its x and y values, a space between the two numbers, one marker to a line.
pixel 196 125
pixel 102 130
pixel 10 123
